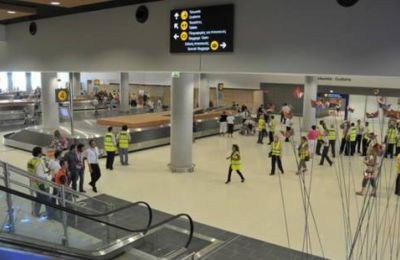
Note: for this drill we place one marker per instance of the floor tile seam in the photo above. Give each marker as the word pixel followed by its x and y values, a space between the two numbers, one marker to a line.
pixel 224 245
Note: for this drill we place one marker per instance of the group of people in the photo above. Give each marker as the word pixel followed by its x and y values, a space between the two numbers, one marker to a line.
pixel 67 168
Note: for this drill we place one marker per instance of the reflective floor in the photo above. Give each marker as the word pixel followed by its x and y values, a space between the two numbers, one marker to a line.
pixel 253 208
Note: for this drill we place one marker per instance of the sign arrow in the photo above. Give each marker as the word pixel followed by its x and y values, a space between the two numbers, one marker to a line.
pixel 176 36
pixel 176 16
pixel 223 45
pixel 176 26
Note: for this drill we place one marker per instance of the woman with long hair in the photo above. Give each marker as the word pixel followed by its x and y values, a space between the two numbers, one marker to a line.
pixel 235 164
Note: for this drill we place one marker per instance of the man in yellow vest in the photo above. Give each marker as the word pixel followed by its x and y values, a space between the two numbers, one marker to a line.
pixel 276 153
pixel 351 139
pixel 124 139
pixel 360 130
pixel 37 168
pixel 398 141
pixel 110 146
pixel 262 130
pixel 365 141
pixel 332 140
pixel 272 129
pixel 391 137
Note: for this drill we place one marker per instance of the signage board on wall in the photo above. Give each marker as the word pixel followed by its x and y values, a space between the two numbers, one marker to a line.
pixel 62 95
pixel 202 30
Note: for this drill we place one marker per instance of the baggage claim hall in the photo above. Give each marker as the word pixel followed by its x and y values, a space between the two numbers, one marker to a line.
pixel 199 129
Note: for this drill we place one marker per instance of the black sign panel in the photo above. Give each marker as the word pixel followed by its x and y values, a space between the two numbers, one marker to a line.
pixel 204 29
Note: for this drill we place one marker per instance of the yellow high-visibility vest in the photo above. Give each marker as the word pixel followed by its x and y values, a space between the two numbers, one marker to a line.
pixel 332 134
pixel 261 124
pixel 235 163
pixel 391 136
pixel 108 143
pixel 123 140
pixel 353 134
pixel 320 132
pixel 273 125
pixel 276 148
pixel 32 166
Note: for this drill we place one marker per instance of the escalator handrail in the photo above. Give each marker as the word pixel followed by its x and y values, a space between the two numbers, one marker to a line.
pixel 87 216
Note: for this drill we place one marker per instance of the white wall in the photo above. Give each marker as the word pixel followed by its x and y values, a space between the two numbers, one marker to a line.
pixel 285 36
pixel 3 37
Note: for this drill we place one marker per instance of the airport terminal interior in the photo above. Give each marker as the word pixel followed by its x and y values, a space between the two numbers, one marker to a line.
pixel 199 129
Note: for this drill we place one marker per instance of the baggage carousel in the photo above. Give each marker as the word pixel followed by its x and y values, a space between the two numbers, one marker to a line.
pixel 147 130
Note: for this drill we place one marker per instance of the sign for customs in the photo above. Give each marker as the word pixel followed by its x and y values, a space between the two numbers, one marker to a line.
pixel 204 29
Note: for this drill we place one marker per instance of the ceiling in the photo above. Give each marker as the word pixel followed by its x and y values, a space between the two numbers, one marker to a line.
pixel 15 11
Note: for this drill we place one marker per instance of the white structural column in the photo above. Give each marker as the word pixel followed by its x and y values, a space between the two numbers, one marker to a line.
pixel 10 84
pixel 310 93
pixel 3 37
pixel 182 123
pixel 28 76
pixel 204 92
pixel 50 118
pixel 75 80
pixel 124 92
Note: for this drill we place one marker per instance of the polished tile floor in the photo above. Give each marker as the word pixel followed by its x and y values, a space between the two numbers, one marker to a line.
pixel 254 208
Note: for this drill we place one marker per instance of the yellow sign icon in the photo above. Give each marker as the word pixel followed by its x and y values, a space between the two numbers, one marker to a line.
pixel 184 15
pixel 184 26
pixel 184 36
pixel 214 45
pixel 62 95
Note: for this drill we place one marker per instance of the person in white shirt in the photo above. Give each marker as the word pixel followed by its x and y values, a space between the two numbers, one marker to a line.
pixel 284 111
pixel 92 156
pixel 231 123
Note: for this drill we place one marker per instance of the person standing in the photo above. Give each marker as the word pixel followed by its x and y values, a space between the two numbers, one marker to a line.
pixel 235 164
pixel 71 157
pixel 54 166
pixel 321 130
pixel 223 125
pixel 332 140
pixel 352 137
pixel 344 144
pixel 325 149
pixel 391 136
pixel 92 155
pixel 285 110
pixel 272 129
pixel 124 138
pixel 231 124
pixel 261 129
pixel 371 161
pixel 110 146
pixel 80 166
pixel 365 140
pixel 312 139
pixel 397 191
pixel 304 155
pixel 359 130
pixel 36 167
pixel 276 152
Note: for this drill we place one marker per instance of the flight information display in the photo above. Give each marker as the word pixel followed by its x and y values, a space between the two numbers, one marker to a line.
pixel 202 30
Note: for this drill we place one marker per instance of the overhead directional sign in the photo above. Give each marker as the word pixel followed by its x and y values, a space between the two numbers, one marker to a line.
pixel 203 29
pixel 62 95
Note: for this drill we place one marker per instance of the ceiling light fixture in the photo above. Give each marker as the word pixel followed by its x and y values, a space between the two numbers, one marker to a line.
pixel 11 12
pixel 55 3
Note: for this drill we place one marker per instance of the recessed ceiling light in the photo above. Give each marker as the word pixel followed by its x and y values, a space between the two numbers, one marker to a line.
pixel 55 3
pixel 11 12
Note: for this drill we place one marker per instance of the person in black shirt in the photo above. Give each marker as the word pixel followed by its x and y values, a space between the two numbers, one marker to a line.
pixel 223 123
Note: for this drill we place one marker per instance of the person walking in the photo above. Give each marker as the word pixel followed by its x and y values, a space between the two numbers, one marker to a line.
pixel 325 150
pixel 321 129
pixel 235 164
pixel 110 146
pixel 80 166
pixel 304 155
pixel 124 138
pixel 261 129
pixel 365 140
pixel 371 161
pixel 223 125
pixel 92 155
pixel 391 136
pixel 231 124
pixel 359 130
pixel 332 139
pixel 272 129
pixel 36 167
pixel 276 152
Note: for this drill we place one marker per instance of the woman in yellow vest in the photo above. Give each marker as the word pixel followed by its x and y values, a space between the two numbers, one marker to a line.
pixel 398 141
pixel 235 163
pixel 276 152
pixel 272 129
pixel 124 139
pixel 352 139
pixel 391 136
pixel 110 146
pixel 332 140
pixel 304 155
pixel 262 131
